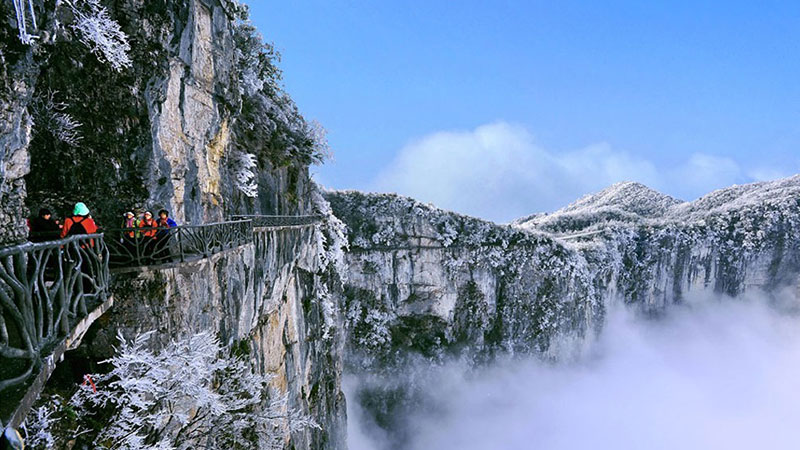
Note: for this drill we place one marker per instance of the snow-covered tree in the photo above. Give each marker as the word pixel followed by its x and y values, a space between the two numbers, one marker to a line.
pixel 102 34
pixel 187 395
pixel 244 174
pixel 50 116
pixel 93 24
pixel 269 123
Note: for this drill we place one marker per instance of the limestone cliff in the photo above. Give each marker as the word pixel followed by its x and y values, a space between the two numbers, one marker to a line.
pixel 198 124
pixel 425 285
pixel 268 300
pixel 17 75
pixel 429 281
pixel 197 114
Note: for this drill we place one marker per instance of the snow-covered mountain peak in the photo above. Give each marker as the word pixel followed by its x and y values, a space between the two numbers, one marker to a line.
pixel 634 203
pixel 780 193
pixel 621 202
pixel 628 196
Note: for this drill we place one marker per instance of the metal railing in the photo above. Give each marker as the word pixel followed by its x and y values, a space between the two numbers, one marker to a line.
pixel 266 221
pixel 130 247
pixel 45 289
pixel 51 292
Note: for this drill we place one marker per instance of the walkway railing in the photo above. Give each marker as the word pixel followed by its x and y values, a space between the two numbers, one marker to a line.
pixel 263 221
pixel 131 247
pixel 45 290
pixel 51 292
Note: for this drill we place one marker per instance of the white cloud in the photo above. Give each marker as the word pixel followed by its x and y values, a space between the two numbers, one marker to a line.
pixel 720 374
pixel 497 171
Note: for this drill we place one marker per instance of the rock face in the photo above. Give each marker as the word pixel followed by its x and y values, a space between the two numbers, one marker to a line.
pixel 269 298
pixel 15 126
pixel 426 280
pixel 191 133
pixel 175 130
pixel 425 284
pixel 172 131
pixel 17 77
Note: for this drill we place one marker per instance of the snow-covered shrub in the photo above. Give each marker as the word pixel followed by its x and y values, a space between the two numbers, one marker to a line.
pixel 102 34
pixel 244 174
pixel 37 428
pixel 187 395
pixel 50 116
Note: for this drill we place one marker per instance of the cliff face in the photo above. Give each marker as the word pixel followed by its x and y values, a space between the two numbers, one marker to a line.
pixel 196 124
pixel 732 241
pixel 423 280
pixel 268 300
pixel 197 115
pixel 425 284
pixel 17 77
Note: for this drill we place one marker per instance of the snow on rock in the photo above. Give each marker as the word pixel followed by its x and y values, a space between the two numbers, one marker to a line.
pixel 426 281
pixel 779 194
pixel 625 202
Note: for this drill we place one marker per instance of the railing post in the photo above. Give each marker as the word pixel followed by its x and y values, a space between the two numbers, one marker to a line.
pixel 180 244
pixel 206 244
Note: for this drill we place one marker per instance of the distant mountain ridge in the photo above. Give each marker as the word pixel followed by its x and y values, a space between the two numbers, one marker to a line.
pixel 631 202
pixel 426 284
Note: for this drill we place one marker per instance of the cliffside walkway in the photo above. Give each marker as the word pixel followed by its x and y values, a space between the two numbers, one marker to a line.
pixel 52 292
pixel 132 248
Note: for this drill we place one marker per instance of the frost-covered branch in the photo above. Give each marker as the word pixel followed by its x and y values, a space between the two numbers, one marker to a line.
pixel 102 34
pixel 244 174
pixel 22 11
pixel 37 429
pixel 189 395
pixel 50 115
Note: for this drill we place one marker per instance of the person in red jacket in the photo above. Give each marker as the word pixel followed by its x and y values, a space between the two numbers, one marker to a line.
pixel 149 225
pixel 80 222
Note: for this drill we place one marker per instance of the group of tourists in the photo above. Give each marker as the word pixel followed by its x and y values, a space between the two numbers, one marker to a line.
pixel 146 226
pixel 45 227
pixel 145 232
pixel 149 234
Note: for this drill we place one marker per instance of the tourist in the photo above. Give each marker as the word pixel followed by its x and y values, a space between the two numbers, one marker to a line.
pixel 130 226
pixel 163 235
pixel 43 227
pixel 149 225
pixel 80 222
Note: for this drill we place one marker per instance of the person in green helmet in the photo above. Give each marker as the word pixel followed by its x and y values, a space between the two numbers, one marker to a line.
pixel 80 222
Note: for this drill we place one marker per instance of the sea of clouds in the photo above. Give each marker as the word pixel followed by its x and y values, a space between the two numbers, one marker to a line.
pixel 717 374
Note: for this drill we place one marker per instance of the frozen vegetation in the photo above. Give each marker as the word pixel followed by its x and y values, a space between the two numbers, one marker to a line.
pixel 190 392
pixel 430 285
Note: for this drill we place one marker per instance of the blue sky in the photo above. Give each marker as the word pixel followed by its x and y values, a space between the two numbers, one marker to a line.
pixel 504 108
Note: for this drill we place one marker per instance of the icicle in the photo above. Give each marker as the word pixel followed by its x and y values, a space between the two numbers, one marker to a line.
pixel 22 21
pixel 33 15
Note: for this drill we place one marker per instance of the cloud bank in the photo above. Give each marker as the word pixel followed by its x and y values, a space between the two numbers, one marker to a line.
pixel 718 375
pixel 497 171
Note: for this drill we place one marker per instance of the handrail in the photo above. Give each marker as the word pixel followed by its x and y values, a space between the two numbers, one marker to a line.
pixel 45 289
pixel 145 246
pixel 269 221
